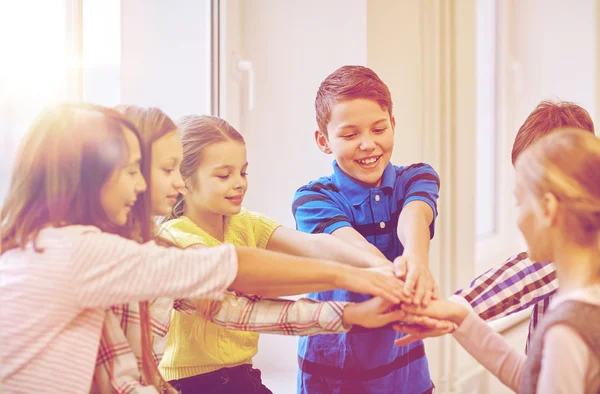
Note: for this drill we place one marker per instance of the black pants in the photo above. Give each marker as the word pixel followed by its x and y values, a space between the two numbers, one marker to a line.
pixel 237 380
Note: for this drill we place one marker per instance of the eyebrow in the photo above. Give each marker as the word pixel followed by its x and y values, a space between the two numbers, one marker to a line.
pixel 228 167
pixel 172 158
pixel 352 126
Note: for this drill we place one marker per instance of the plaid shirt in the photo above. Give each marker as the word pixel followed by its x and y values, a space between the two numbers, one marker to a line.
pixel 120 344
pixel 515 285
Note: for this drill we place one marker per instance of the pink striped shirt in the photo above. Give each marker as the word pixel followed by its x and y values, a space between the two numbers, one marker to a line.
pixel 53 303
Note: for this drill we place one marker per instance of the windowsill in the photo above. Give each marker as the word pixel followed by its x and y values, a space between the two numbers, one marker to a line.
pixel 511 321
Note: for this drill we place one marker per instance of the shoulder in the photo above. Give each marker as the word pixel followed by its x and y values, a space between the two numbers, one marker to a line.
pixel 182 232
pixel 247 219
pixel 323 185
pixel 562 342
pixel 414 169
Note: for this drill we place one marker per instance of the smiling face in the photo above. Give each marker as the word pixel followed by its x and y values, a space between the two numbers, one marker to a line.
pixel 360 135
pixel 220 182
pixel 119 193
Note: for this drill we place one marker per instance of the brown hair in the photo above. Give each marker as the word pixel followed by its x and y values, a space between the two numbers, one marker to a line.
pixel 567 164
pixel 198 132
pixel 547 117
pixel 62 164
pixel 152 124
pixel 349 83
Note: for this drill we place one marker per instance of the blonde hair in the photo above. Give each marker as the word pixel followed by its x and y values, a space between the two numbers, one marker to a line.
pixel 62 163
pixel 567 165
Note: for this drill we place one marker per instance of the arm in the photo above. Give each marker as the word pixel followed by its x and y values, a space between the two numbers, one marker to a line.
pixel 565 359
pixel 302 317
pixel 420 185
pixel 351 236
pixel 106 270
pixel 268 269
pixel 324 246
pixel 413 232
pixel 490 349
pixel 511 287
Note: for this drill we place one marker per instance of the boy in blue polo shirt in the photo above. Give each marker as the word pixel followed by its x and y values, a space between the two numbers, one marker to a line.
pixel 387 209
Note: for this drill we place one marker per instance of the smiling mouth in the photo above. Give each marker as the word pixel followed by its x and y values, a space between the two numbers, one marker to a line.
pixel 234 199
pixel 369 161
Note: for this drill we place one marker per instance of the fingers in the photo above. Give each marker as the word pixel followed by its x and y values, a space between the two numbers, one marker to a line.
pixel 387 288
pixel 436 292
pixel 413 309
pixel 390 317
pixel 420 291
pixel 407 340
pixel 400 267
pixel 410 282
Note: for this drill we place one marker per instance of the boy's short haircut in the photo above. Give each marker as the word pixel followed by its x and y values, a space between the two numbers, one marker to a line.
pixel 548 116
pixel 349 83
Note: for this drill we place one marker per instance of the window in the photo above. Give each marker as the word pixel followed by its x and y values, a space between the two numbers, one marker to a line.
pixel 105 52
pixel 34 70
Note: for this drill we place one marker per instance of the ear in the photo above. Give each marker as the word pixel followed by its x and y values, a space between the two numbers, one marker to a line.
pixel 550 209
pixel 393 120
pixel 322 142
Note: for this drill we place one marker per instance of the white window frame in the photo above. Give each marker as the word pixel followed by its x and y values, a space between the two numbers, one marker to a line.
pixel 494 248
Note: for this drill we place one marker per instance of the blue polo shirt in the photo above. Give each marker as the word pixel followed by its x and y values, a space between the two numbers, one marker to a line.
pixel 364 360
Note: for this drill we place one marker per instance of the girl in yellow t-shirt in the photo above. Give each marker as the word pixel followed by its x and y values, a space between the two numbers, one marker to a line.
pixel 202 357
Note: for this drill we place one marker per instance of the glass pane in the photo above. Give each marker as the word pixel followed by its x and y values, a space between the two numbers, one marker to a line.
pixel 166 55
pixel 33 71
pixel 102 52
pixel 486 119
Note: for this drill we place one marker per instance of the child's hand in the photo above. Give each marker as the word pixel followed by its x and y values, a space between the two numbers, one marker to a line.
pixel 372 281
pixel 419 282
pixel 416 332
pixel 378 312
pixel 441 310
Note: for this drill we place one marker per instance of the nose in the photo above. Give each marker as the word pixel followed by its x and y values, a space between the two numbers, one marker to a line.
pixel 178 183
pixel 367 143
pixel 141 185
pixel 240 183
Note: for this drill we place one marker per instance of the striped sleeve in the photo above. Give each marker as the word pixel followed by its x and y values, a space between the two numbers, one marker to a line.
pixel 316 212
pixel 515 285
pixel 420 183
pixel 278 316
pixel 112 270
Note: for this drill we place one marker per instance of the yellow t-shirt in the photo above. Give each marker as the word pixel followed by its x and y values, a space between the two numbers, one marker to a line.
pixel 195 345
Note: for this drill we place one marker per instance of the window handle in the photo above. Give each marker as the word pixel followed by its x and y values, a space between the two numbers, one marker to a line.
pixel 246 66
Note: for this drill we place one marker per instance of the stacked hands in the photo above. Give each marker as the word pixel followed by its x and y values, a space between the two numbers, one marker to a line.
pixel 406 296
